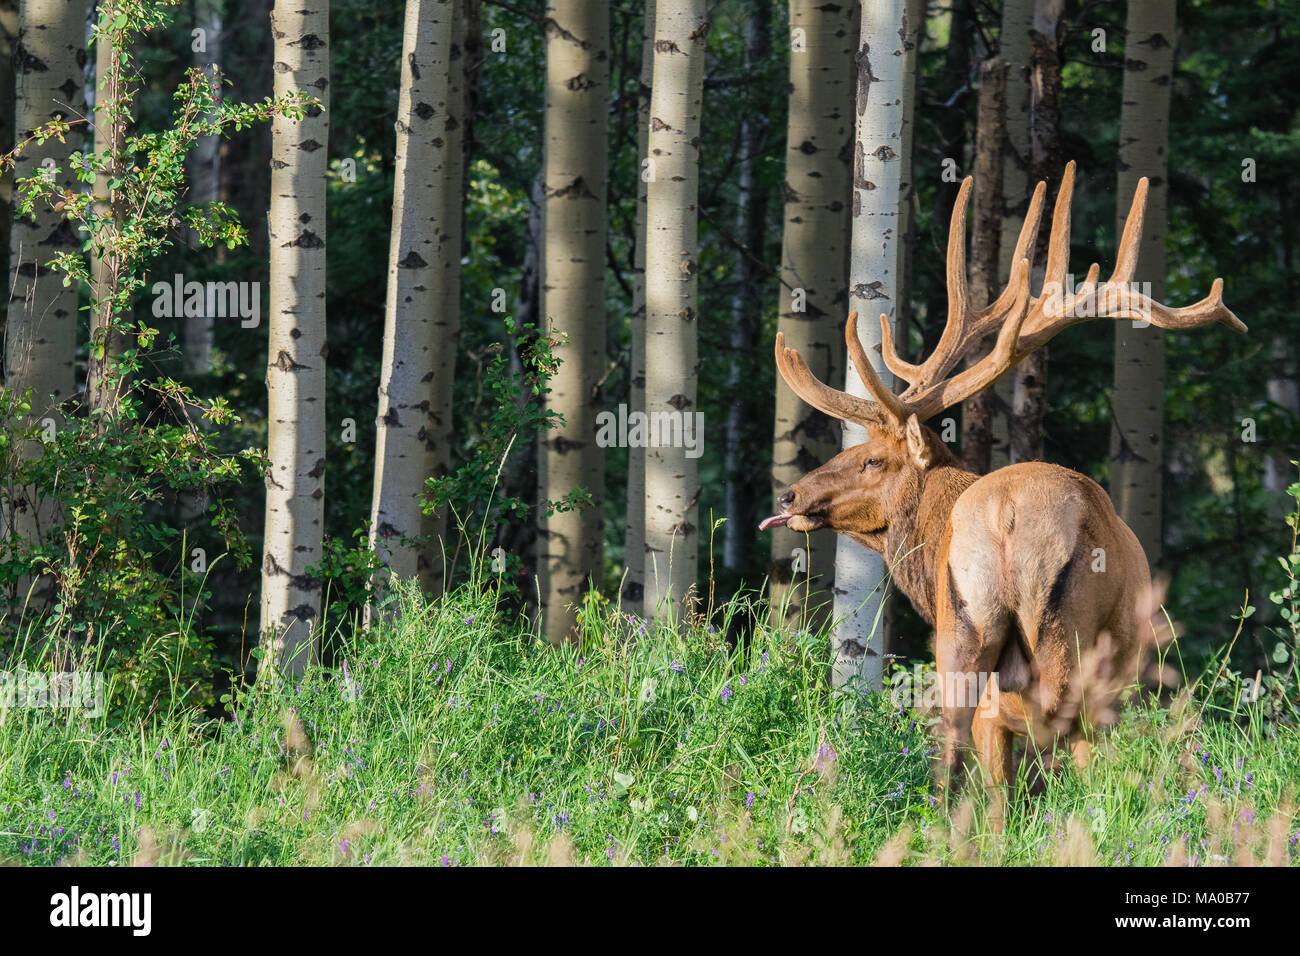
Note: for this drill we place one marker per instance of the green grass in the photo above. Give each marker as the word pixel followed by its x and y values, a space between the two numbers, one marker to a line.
pixel 452 737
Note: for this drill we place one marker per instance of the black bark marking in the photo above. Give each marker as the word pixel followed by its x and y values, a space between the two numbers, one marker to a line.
pixel 869 291
pixel 865 76
pixel 285 363
pixel 27 62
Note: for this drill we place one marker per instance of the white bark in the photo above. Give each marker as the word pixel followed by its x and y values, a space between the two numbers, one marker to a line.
pixel 573 300
pixel 875 266
pixel 633 594
pixel 672 486
pixel 814 247
pixel 295 379
pixel 410 338
pixel 41 332
pixel 8 34
pixel 446 315
pixel 1137 433
pixel 1014 48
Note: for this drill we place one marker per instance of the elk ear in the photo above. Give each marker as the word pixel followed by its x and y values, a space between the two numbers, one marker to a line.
pixel 917 446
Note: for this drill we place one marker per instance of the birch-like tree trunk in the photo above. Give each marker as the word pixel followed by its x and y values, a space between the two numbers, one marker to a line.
pixel 813 296
pixel 1029 402
pixel 953 89
pixel 874 287
pixel 914 32
pixel 573 300
pixel 978 411
pixel 106 343
pixel 916 19
pixel 205 180
pixel 633 594
pixel 1137 432
pixel 411 341
pixel 8 34
pixel 1013 44
pixel 295 377
pixel 41 329
pixel 740 501
pixel 446 302
pixel 672 246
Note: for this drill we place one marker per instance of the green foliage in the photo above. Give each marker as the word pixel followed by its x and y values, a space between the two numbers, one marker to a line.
pixel 510 405
pixel 110 472
pixel 448 735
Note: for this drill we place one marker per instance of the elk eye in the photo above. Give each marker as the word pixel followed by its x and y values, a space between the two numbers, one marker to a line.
pixel 871 463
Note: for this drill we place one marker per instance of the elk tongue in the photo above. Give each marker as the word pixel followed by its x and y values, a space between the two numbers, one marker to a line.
pixel 775 521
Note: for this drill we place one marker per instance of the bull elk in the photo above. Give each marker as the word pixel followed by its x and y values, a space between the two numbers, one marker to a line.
pixel 1002 566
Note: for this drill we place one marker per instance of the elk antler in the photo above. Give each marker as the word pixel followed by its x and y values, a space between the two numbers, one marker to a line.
pixel 1022 322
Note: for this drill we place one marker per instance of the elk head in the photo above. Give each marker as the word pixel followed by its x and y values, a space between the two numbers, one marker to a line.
pixel 862 490
pixel 867 488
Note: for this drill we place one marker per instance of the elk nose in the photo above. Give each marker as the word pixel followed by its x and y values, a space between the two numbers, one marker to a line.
pixel 786 500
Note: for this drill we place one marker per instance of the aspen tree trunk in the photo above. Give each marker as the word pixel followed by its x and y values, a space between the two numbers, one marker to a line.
pixel 951 129
pixel 430 564
pixel 469 21
pixel 978 410
pixel 106 344
pixel 198 332
pixel 1017 18
pixel 8 34
pixel 813 297
pixel 916 18
pixel 410 338
pixel 741 503
pixel 914 30
pixel 633 594
pixel 874 287
pixel 295 378
pixel 205 181
pixel 1137 433
pixel 1029 403
pixel 41 330
pixel 573 301
pixel 671 477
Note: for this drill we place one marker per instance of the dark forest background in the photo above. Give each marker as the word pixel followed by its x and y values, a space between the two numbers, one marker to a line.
pixel 1234 97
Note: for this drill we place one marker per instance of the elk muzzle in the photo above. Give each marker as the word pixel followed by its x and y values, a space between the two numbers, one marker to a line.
pixel 793 514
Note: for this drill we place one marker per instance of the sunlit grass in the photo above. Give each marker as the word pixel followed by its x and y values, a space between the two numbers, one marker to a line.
pixel 450 737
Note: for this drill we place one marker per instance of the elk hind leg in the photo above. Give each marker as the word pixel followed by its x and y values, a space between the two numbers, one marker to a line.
pixel 965 660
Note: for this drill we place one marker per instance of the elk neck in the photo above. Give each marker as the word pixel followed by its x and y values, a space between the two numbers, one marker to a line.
pixel 916 528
